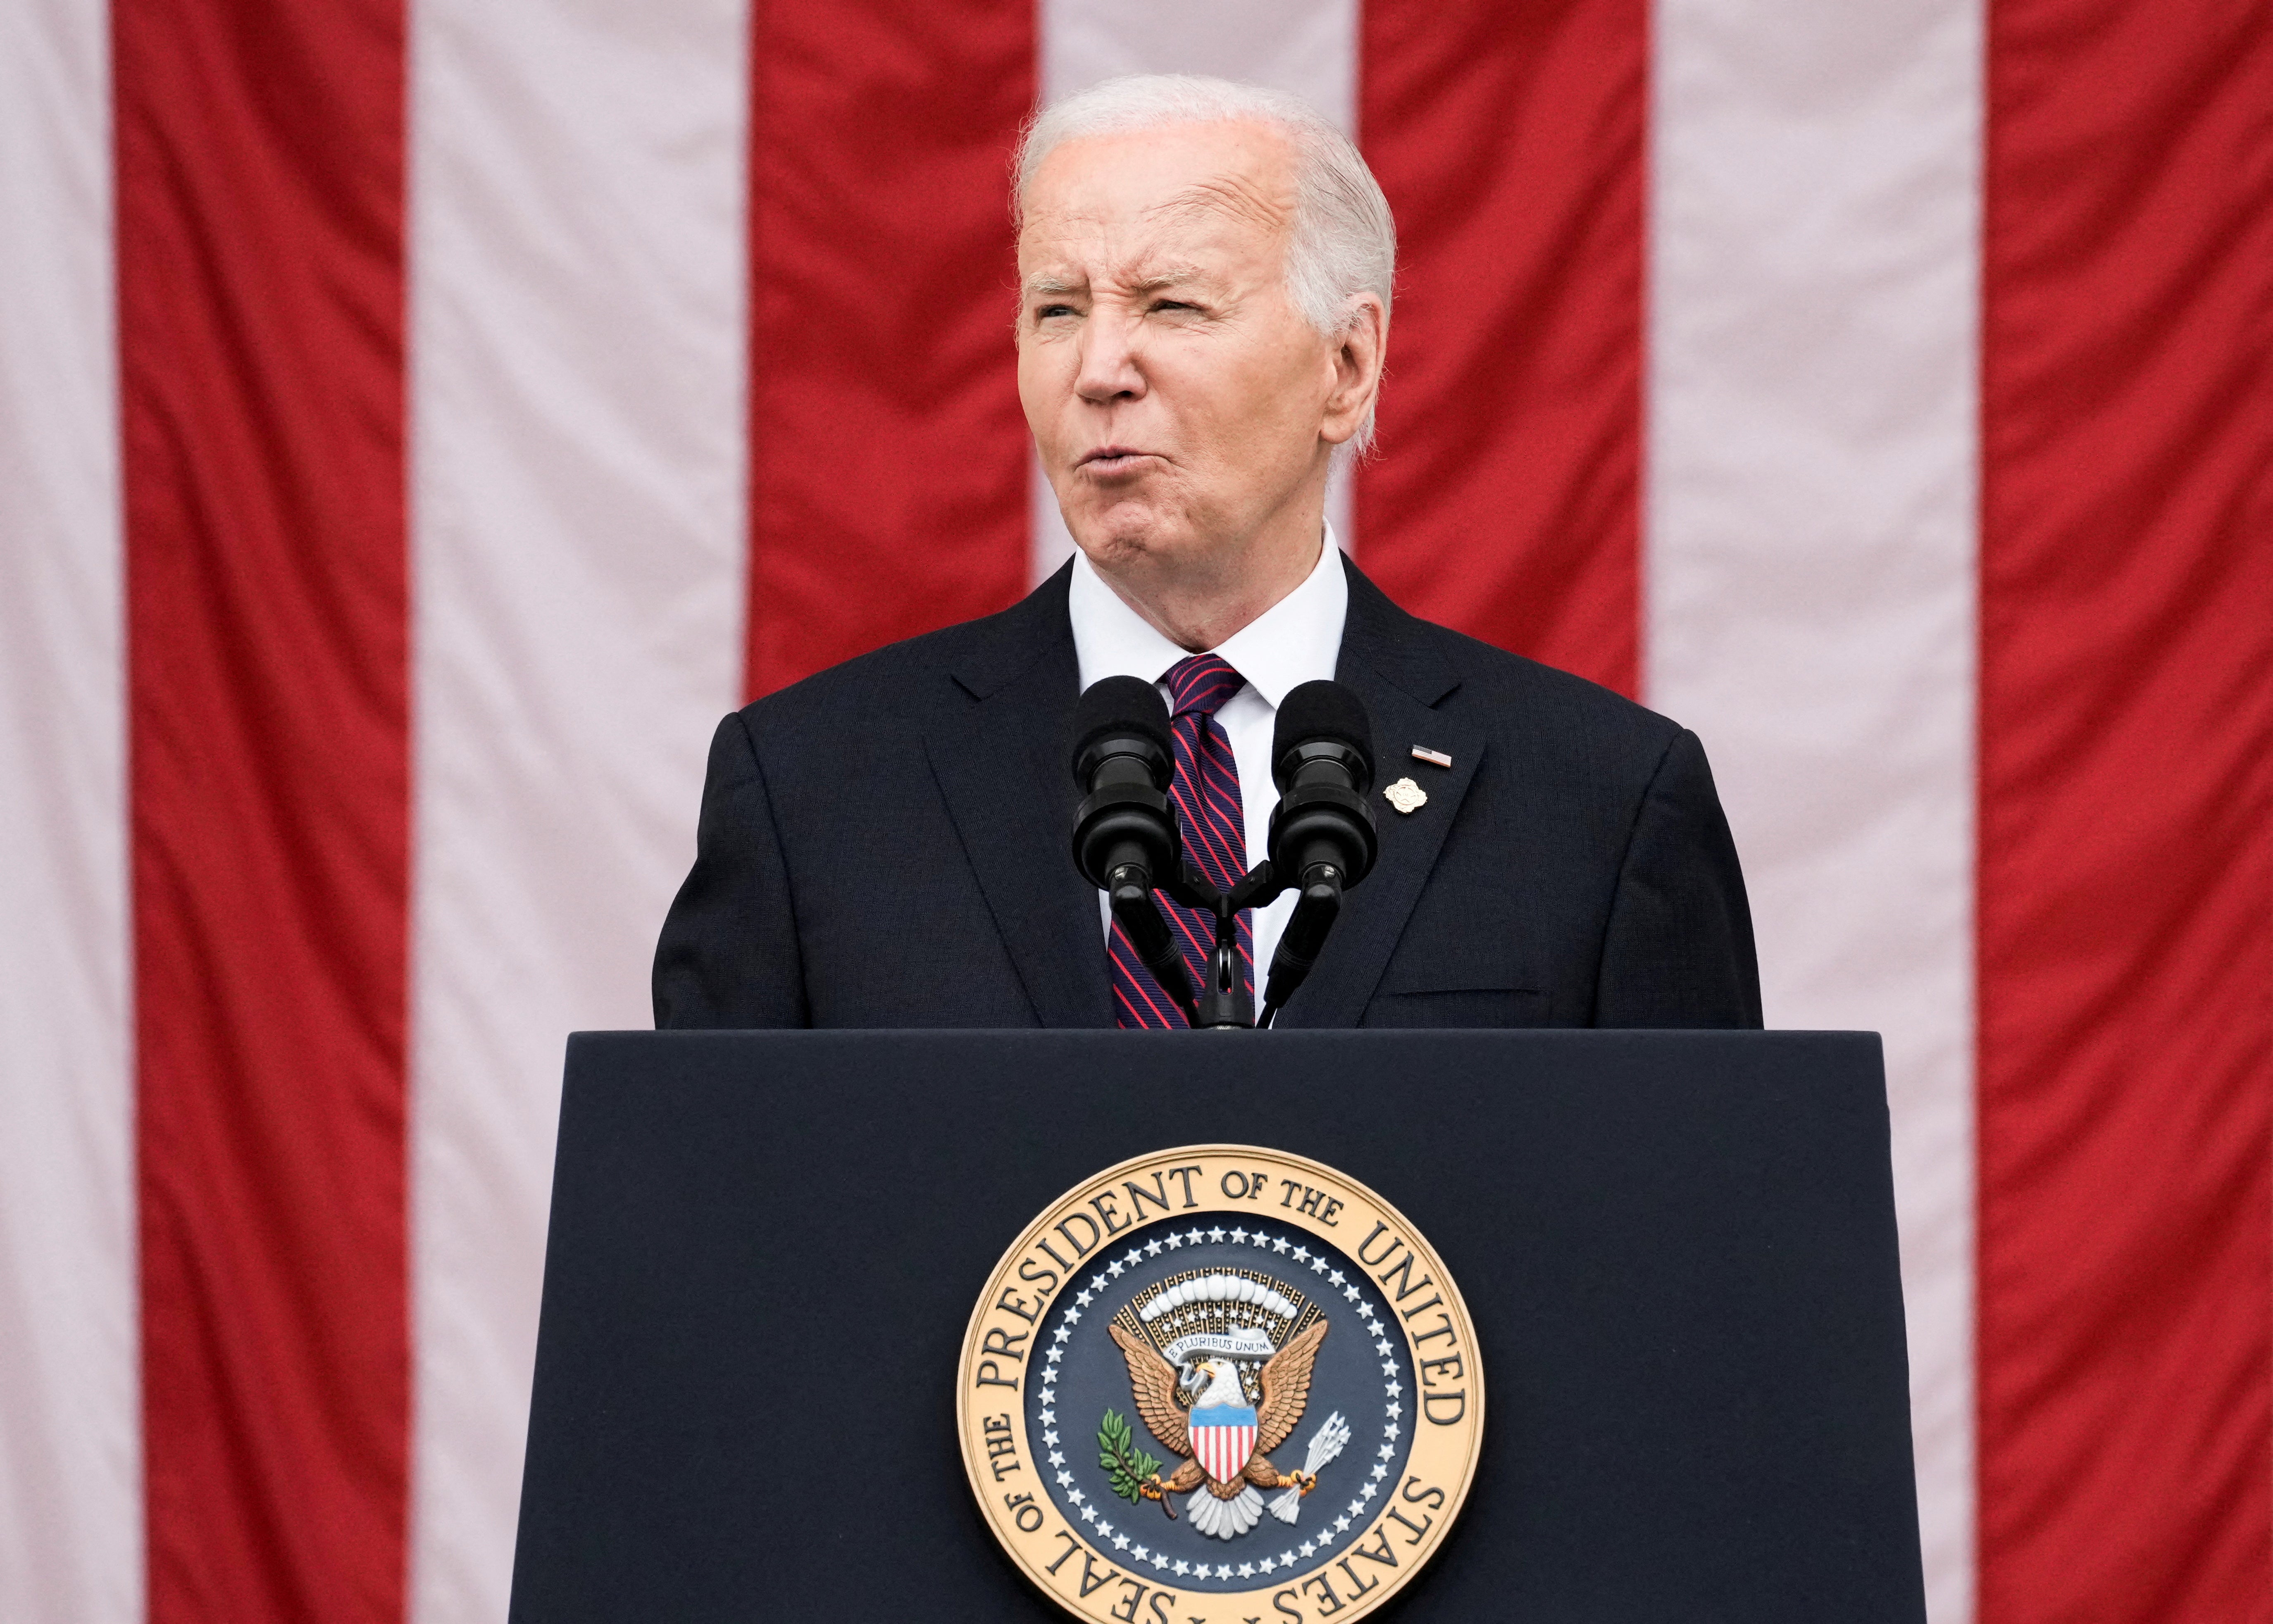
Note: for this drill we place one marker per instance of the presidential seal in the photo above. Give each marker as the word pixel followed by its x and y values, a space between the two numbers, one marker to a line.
pixel 1218 1384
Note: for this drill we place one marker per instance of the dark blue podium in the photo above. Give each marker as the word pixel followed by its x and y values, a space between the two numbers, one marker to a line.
pixel 1677 1249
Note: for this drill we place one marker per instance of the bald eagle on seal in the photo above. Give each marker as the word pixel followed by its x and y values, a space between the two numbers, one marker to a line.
pixel 1231 1505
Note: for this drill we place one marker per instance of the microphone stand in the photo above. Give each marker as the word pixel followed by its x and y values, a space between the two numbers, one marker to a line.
pixel 1225 1003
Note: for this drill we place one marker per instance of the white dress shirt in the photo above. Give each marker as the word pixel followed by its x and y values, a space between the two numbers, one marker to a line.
pixel 1294 641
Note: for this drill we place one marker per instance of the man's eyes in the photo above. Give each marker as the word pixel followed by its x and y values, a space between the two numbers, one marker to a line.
pixel 1052 312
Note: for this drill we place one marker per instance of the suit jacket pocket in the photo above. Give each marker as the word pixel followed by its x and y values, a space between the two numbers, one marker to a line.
pixel 1456 1006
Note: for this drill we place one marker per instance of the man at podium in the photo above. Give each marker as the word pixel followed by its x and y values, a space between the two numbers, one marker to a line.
pixel 1205 284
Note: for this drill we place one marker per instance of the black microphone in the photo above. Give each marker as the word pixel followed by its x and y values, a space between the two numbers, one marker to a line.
pixel 1125 839
pixel 1322 834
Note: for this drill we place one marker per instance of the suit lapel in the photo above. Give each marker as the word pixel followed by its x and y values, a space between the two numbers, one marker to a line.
pixel 998 756
pixel 1390 661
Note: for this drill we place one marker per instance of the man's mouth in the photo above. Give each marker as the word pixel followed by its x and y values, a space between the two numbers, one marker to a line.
pixel 1114 460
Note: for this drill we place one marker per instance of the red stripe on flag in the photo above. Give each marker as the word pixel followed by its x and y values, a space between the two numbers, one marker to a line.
pixel 2126 886
pixel 259 153
pixel 1506 500
pixel 888 451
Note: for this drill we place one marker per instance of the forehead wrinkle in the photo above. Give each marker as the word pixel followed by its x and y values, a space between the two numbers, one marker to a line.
pixel 1235 195
pixel 1143 279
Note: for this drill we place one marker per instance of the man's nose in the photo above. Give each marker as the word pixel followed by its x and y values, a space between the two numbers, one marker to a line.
pixel 1110 367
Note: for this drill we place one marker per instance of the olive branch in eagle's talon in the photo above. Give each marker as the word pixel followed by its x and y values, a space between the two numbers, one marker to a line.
pixel 1135 1474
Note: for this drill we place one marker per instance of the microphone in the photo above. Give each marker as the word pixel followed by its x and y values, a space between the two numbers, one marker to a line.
pixel 1322 834
pixel 1125 839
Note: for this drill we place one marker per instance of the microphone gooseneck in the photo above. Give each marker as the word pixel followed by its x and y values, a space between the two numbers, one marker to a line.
pixel 1322 831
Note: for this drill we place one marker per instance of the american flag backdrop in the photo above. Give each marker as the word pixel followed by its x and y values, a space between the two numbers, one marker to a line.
pixel 420 419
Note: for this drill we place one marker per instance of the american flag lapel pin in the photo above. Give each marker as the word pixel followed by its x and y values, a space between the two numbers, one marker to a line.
pixel 1434 757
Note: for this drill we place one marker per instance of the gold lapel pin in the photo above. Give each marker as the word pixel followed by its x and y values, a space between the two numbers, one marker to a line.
pixel 1434 757
pixel 1406 795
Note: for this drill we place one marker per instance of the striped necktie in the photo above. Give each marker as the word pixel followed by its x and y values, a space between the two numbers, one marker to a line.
pixel 1214 827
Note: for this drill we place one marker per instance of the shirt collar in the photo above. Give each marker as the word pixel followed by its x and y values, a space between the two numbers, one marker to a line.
pixel 1295 640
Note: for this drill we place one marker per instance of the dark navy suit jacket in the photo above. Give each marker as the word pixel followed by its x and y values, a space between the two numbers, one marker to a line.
pixel 887 845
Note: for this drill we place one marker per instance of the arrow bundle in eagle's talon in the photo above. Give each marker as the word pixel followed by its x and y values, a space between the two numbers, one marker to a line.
pixel 1325 1443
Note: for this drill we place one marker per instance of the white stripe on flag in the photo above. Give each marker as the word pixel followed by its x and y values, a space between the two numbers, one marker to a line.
pixel 577 252
pixel 1310 49
pixel 70 1492
pixel 1810 570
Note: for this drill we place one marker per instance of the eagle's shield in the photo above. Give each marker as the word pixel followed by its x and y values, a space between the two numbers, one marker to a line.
pixel 1222 1437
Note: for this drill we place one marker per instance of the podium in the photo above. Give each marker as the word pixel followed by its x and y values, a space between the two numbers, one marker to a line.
pixel 1677 1250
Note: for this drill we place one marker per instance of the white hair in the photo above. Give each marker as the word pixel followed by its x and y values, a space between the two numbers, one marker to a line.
pixel 1344 242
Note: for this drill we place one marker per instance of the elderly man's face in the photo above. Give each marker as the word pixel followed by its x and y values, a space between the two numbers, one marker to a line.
pixel 1179 400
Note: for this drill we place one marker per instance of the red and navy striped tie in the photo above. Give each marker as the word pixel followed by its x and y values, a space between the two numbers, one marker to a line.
pixel 1214 827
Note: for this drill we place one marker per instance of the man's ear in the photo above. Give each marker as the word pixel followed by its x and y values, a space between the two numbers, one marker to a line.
pixel 1357 363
